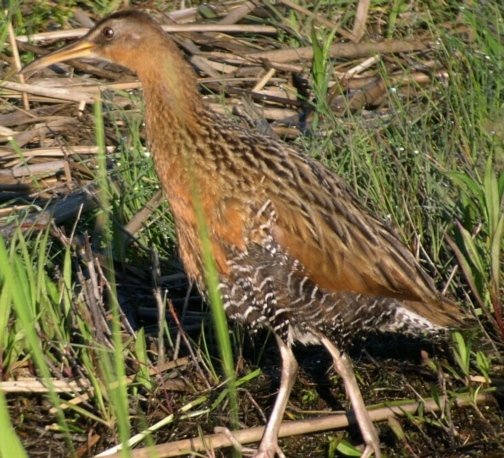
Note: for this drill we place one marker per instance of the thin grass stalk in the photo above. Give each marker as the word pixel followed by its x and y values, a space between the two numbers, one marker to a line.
pixel 10 445
pixel 112 364
pixel 218 313
pixel 16 283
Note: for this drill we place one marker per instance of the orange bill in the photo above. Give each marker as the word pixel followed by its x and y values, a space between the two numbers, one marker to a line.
pixel 79 49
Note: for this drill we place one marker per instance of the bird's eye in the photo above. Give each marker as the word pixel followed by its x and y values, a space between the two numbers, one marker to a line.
pixel 108 33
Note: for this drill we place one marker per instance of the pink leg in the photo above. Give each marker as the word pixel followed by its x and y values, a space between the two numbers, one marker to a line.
pixel 344 368
pixel 269 443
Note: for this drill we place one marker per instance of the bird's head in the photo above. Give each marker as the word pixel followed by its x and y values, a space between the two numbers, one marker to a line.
pixel 128 38
pixel 136 41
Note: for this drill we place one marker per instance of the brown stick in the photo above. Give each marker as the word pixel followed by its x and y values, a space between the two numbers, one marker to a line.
pixel 17 61
pixel 312 425
pixel 57 93
pixel 344 50
pixel 361 16
pixel 174 28
pixel 237 14
pixel 319 18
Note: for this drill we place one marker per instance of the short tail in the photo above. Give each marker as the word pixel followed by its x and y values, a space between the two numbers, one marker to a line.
pixel 425 318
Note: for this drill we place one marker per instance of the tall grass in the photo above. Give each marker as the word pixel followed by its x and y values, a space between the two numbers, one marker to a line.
pixel 34 300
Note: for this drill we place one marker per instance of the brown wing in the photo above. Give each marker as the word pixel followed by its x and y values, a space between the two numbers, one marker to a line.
pixel 344 247
pixel 319 221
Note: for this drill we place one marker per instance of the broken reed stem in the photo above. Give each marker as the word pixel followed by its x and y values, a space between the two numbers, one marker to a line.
pixel 310 425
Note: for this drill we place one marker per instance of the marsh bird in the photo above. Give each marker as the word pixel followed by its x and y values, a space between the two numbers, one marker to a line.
pixel 295 250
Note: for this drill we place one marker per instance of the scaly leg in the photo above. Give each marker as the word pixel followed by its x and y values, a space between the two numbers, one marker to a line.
pixel 344 368
pixel 269 442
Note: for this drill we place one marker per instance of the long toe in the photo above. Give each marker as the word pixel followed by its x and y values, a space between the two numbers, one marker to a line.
pixel 370 436
pixel 372 449
pixel 271 451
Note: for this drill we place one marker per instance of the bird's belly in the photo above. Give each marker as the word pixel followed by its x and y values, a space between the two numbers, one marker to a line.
pixel 302 336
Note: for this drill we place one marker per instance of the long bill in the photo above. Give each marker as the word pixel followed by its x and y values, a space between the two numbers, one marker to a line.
pixel 79 49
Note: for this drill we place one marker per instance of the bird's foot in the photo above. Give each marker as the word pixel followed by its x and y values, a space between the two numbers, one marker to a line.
pixel 269 451
pixel 247 451
pixel 370 436
pixel 372 448
pixel 266 449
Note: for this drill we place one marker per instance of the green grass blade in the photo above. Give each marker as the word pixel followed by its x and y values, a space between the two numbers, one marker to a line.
pixel 10 445
pixel 16 280
pixel 112 364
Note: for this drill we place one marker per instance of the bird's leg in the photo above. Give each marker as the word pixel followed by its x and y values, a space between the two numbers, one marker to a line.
pixel 344 368
pixel 269 442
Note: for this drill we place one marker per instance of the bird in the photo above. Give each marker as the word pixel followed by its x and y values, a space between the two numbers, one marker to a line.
pixel 295 250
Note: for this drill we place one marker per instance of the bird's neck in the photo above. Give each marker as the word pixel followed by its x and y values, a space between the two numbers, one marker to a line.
pixel 175 115
pixel 172 101
pixel 170 91
pixel 174 112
